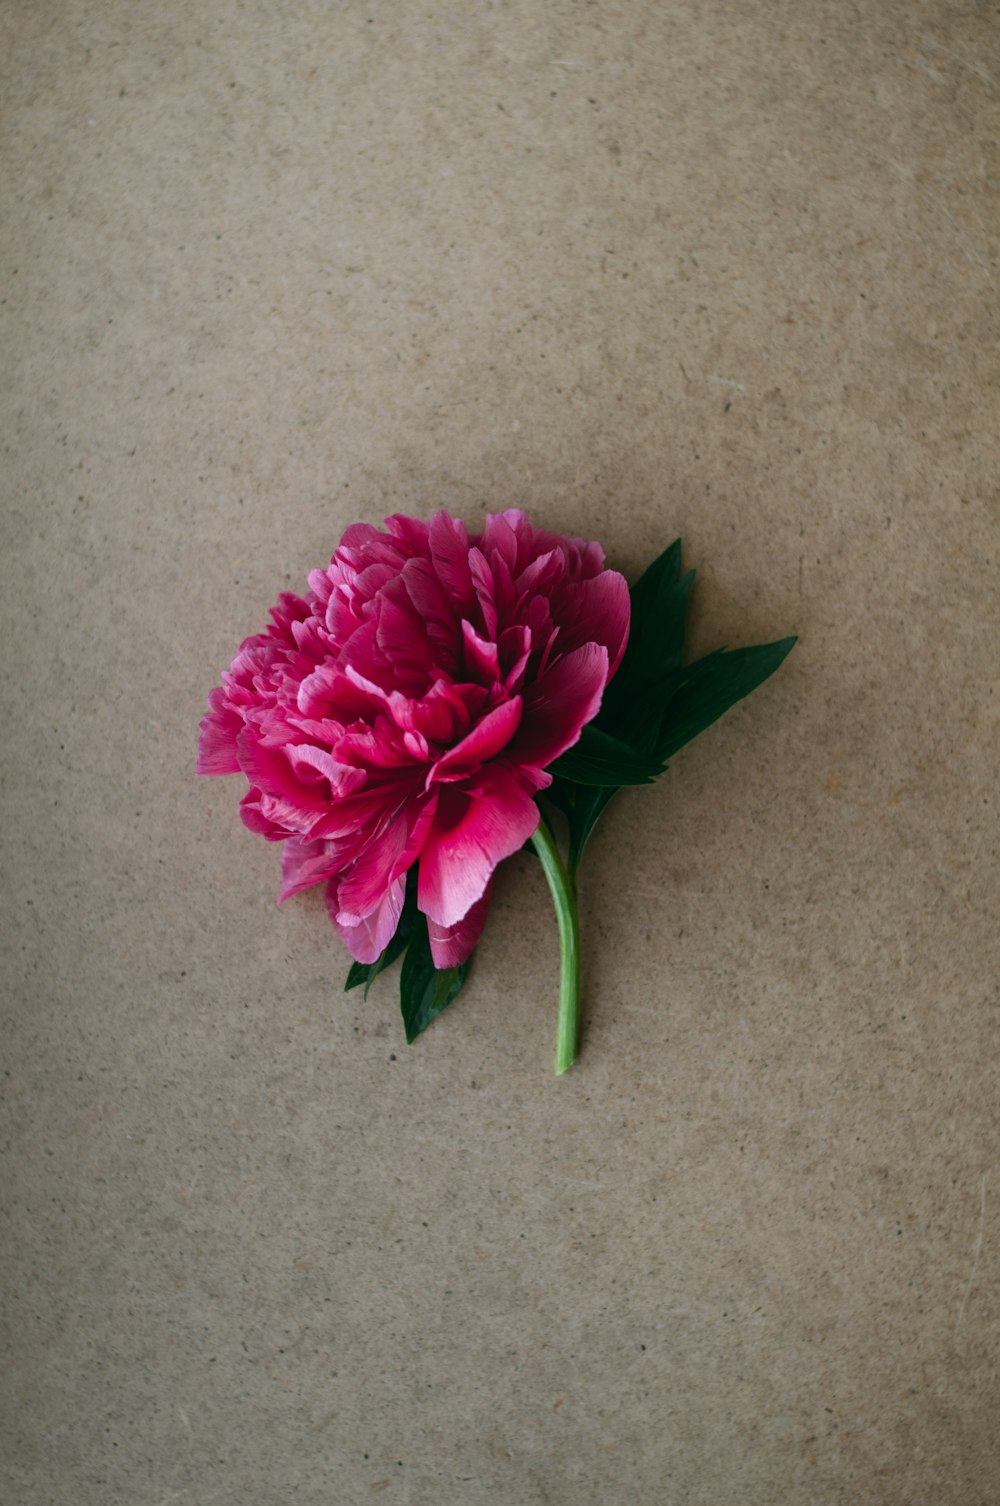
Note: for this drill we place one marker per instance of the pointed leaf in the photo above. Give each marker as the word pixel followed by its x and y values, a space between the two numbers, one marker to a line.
pixel 588 810
pixel 659 601
pixel 599 758
pixel 711 686
pixel 659 604
pixel 357 974
pixel 424 990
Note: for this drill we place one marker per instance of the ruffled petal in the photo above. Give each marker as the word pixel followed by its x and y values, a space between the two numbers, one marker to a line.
pixel 304 864
pixel 367 936
pixel 471 834
pixel 596 611
pixel 219 730
pixel 487 738
pixel 558 706
pixel 453 945
pixel 385 858
pixel 482 659
pixel 449 548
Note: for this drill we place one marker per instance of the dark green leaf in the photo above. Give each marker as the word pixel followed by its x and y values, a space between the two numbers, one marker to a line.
pixel 424 990
pixel 711 686
pixel 653 706
pixel 634 699
pixel 602 759
pixel 659 606
pixel 638 720
pixel 587 811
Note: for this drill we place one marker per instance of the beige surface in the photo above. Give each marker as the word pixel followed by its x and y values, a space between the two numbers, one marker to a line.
pixel 644 269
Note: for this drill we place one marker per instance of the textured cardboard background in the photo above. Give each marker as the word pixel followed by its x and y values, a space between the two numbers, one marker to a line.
pixel 724 271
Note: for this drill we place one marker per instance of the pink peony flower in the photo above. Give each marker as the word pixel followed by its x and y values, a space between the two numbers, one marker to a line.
pixel 405 709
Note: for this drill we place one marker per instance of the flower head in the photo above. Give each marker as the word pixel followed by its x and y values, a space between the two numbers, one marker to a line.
pixel 404 710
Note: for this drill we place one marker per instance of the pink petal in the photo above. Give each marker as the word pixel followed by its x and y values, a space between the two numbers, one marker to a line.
pixel 255 820
pixel 452 945
pixel 481 658
pixel 449 546
pixel 485 741
pixel 559 704
pixel 411 532
pixel 359 537
pixel 500 539
pixel 358 817
pixel 543 574
pixel 435 609
pixel 217 741
pixel 515 651
pixel 401 637
pixel 367 936
pixel 444 714
pixel 285 799
pixel 328 692
pixel 313 765
pixel 385 858
pixel 485 589
pixel 596 611
pixel 379 746
pixel 471 834
pixel 528 542
pixel 304 864
pixel 297 774
pixel 290 609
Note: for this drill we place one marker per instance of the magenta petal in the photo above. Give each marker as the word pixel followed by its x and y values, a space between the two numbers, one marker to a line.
pixel 596 611
pixel 412 532
pixel 254 819
pixel 367 936
pixel 487 738
pixel 443 714
pixel 434 608
pixel 401 637
pixel 543 574
pixel 482 660
pixel 471 834
pixel 387 856
pixel 217 743
pixel 311 764
pixel 485 586
pixel 558 706
pixel 304 864
pixel 499 538
pixel 449 549
pixel 453 945
pixel 285 797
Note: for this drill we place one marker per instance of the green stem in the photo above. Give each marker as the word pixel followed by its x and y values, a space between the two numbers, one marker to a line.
pixel 563 886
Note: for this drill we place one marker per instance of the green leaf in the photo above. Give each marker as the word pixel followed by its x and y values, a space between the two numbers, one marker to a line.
pixel 424 990
pixel 599 758
pixel 357 974
pixel 654 705
pixel 633 703
pixel 582 806
pixel 589 808
pixel 659 607
pixel 711 686
pixel 639 720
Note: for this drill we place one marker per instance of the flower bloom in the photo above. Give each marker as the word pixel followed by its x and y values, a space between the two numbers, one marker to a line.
pixel 405 709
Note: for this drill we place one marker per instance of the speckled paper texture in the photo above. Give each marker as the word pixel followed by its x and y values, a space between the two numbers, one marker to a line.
pixel 645 270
